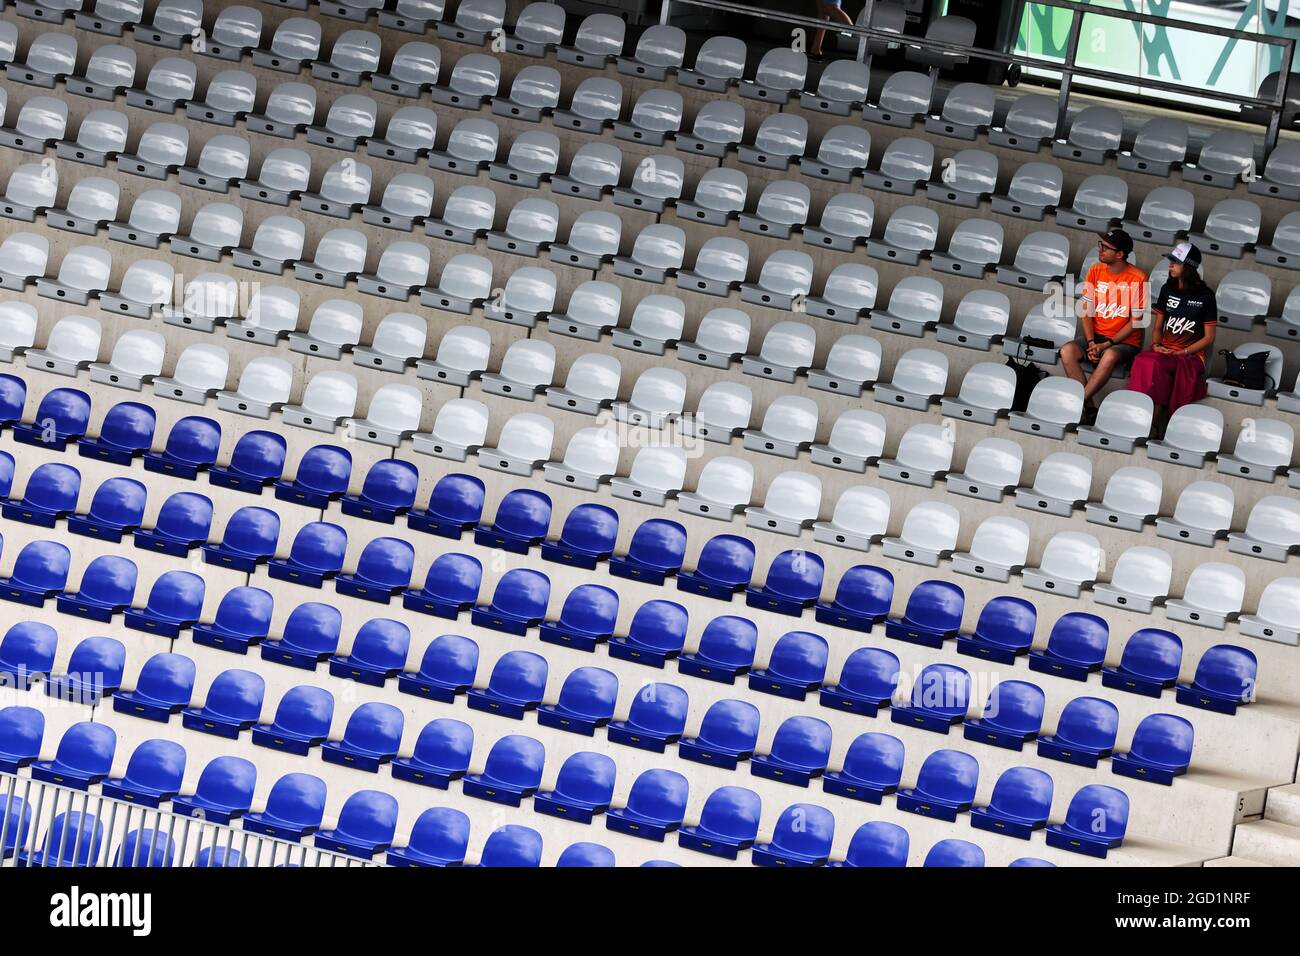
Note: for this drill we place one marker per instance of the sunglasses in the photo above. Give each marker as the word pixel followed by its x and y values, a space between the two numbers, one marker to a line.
pixel 1107 248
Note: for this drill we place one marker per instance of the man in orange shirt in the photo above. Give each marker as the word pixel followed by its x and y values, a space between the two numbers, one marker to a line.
pixel 1112 315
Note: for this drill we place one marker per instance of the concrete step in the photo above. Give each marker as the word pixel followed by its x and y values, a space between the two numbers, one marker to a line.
pixel 1234 861
pixel 1283 805
pixel 1268 842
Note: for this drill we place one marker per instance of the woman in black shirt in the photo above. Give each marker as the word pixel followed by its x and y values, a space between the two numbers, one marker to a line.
pixel 1172 371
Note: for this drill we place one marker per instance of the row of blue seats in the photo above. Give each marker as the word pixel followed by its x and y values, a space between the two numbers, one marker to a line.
pixel 656 806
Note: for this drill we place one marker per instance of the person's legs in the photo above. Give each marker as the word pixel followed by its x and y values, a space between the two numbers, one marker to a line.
pixel 827 11
pixel 1106 364
pixel 1153 375
pixel 1072 354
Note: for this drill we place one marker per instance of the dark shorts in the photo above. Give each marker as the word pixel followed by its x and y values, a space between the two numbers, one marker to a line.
pixel 1126 351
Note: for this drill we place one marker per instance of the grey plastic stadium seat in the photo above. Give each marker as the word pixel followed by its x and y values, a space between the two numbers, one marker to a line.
pixel 1230 229
pixel 354 56
pixel 100 137
pixel 1202 514
pixel 655 115
pixel 403 268
pixel 170 84
pixel 327 399
pixel 1193 434
pixel 1034 190
pixel 720 63
pixel 596 104
pixel 1243 298
pixel 852 364
pixel 1212 597
pixel 534 92
pixel 398 342
pixel 779 77
pixel 1061 484
pixel 1272 529
pixel 920 378
pixel 415 68
pixel 32 188
pixel 278 242
pixel 657 252
pixel 1098 201
pixel 793 503
pixel 974 247
pixel 846 221
pixel 1160 145
pixel 723 488
pixel 109 72
pixel 1263 450
pixel 719 197
pixel 1130 501
pixel 412 16
pixel 83 273
pixel 859 520
pixel 966 179
pixel 1123 422
pixel 782 207
pixel 1224 157
pixel 345 188
pixel 200 371
pixel 111 17
pixel 659 51
pixel 914 307
pixel 523 445
pixel 356 10
pixel 236 31
pixel 208 300
pixel 904 97
pixel 1046 326
pixel 527 367
pixel 780 140
pixel 393 416
pixel 911 232
pixel 1287 325
pixel 592 311
pixel 929 534
pixel 50 57
pixel 967 110
pixel 592 384
pixel 467 216
pixel 1071 561
pixel 848 295
pixel 17 329
pixel 528 295
pixel 590 460
pixel 991 471
pixel 174 22
pixel 1284 249
pixel 272 315
pixel 1166 211
pixel 406 203
pixel 73 343
pixel 980 320
pixel 721 338
pixel 720 267
pixel 719 126
pixel 531 225
pixel 857 439
pixel 229 96
pixel 1029 125
pixel 951 29
pixel 476 22
pixel 657 323
pixel 1281 177
pixel 786 352
pixel 789 426
pixel 1055 407
pixel 23 259
pixel 538 29
pixel 842 87
pixel 658 396
pixel 42 122
pixel 1218 388
pixel 295 43
pixel 350 119
pixel 335 327
pixel 264 386
pixel 1289 401
pixel 146 286
pixel 593 172
pixel 904 166
pixel 410 134
pixel 284 175
pixel 92 204
pixel 223 162
pixel 924 455
pixel 656 181
pixel 1277 613
pixel 459 430
pixel 998 549
pixel 1041 258
pixel 463 354
pixel 465 283
pixel 723 412
pixel 1094 134
pixel 843 152
pixel 599 39
pixel 339 257
pixel 290 109
pixel 987 392
pixel 214 232
pixel 657 474
pixel 1140 581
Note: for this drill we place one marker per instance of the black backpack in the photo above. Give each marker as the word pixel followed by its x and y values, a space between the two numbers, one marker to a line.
pixel 1247 372
pixel 1027 374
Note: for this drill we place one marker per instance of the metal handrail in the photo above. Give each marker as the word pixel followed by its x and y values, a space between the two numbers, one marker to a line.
pixel 1067 69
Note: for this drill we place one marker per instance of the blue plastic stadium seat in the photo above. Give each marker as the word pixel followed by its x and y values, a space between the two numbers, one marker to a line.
pixel 94 671
pixel 512 846
pixel 800 751
pixel 302 721
pixel 383 569
pixel 654 554
pixel 655 806
pixel 243 619
pixel 164 687
pixel 442 754
pixel 940 698
pixel 655 635
pixel 175 603
pixel 728 823
pixel 378 652
pixel 802 838
pixel 1085 732
pixel 219 856
pixel 50 496
pixel 74 839
pixel 725 652
pixel 322 476
pixel 793 584
pixel 224 791
pixel 191 447
pixel 521 521
pixel 586 855
pixel 796 666
pixel 371 738
pixel 1094 823
pixel 586 702
pixel 310 635
pixel 661 863
pixel 40 572
pixel 517 684
pixel 728 734
pixel 944 787
pixel 153 774
pixel 1161 750
pixel 22 729
pixel 1004 631
pixel 125 433
pixel 867 682
pixel 62 416
pixel 586 539
pixel 512 772
pixel 366 825
pixel 116 509
pixel 954 853
pixel 249 540
pixel 447 669
pixel 27 652
pixel 233 704
pixel 1030 861
pixel 583 788
pixel 184 522
pixel 586 619
pixel 1225 678
pixel 387 491
pixel 1012 716
pixel 1149 664
pixel 862 599
pixel 933 615
pixel 13 396
pixel 518 603
pixel 725 566
pixel 294 808
pixel 657 718
pixel 873 767
pixel 315 555
pixel 440 837
pixel 146 848
pixel 84 757
pixel 256 461
pixel 7 468
pixel 1075 648
pixel 455 506
pixel 1021 801
pixel 450 586
pixel 16 824
pixel 877 843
